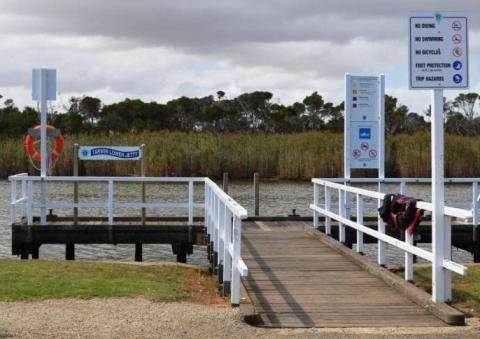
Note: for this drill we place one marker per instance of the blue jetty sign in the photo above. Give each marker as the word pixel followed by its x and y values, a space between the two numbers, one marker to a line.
pixel 109 153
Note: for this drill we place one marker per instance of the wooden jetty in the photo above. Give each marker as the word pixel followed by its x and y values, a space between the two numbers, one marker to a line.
pixel 296 280
pixel 27 239
pixel 295 275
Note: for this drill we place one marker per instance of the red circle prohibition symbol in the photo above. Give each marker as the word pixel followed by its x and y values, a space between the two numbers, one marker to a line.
pixel 372 153
pixel 456 25
pixel 356 153
pixel 457 38
pixel 364 146
pixel 457 51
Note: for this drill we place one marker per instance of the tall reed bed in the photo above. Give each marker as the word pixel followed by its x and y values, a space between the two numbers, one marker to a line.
pixel 291 156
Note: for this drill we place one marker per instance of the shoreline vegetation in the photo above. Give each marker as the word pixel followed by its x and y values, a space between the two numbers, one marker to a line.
pixel 298 156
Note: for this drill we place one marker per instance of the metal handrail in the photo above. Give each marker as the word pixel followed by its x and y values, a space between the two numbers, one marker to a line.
pixel 223 221
pixel 449 211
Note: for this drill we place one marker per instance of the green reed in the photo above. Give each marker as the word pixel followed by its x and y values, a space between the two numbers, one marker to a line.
pixel 283 156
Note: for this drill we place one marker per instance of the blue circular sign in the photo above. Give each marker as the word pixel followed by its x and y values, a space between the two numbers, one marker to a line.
pixel 457 65
pixel 457 78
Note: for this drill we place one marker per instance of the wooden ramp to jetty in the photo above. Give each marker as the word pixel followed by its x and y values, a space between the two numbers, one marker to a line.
pixel 296 280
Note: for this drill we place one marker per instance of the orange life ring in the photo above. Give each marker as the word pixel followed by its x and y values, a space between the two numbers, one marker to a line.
pixel 35 154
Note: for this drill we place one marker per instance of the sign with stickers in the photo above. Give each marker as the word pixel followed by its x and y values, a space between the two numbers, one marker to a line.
pixel 438 50
pixel 363 114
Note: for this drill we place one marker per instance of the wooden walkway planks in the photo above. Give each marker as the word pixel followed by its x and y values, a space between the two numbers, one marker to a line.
pixel 296 280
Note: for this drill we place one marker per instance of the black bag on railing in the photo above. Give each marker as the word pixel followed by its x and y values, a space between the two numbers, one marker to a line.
pixel 386 207
pixel 401 212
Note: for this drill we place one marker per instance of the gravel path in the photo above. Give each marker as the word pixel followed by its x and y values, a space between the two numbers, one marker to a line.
pixel 140 318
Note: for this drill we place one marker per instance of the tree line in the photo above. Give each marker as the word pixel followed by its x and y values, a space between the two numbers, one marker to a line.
pixel 247 112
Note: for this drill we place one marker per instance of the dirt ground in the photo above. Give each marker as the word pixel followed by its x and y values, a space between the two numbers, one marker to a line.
pixel 141 318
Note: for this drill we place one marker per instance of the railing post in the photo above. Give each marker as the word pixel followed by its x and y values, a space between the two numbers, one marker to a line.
pixel 13 198
pixel 315 203
pixel 328 202
pixel 221 233
pixel 211 226
pixel 447 254
pixel 30 202
pixel 143 169
pixel 110 202
pixel 227 263
pixel 205 206
pixel 381 229
pixel 190 202
pixel 475 219
pixel 341 211
pixel 408 240
pixel 217 227
pixel 75 184
pixel 256 185
pixel 408 258
pixel 237 234
pixel 24 196
pixel 359 221
pixel 43 201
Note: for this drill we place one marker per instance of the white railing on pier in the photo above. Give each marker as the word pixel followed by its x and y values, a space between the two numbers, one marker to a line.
pixel 223 215
pixel 27 202
pixel 404 184
pixel 440 257
pixel 223 221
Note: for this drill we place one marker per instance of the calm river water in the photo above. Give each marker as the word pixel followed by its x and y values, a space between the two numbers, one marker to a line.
pixel 276 198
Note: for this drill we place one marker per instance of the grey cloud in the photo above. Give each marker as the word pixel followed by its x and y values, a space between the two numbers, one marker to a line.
pixel 207 25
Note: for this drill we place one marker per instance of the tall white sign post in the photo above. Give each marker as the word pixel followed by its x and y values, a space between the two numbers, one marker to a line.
pixel 44 85
pixel 364 141
pixel 438 60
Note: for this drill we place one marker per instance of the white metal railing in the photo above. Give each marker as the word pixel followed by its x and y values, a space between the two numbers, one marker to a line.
pixel 27 202
pixel 223 221
pixel 223 216
pixel 442 257
pixel 403 182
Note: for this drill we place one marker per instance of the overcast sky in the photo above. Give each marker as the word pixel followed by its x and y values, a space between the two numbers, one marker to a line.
pixel 159 49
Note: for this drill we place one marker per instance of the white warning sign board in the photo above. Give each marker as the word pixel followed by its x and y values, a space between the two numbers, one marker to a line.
pixel 438 50
pixel 363 117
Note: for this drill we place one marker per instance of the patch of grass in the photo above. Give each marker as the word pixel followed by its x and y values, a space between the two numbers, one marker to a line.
pixel 38 280
pixel 465 289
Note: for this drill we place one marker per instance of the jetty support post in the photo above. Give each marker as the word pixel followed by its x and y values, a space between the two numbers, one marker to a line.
pixel 70 251
pixel 256 184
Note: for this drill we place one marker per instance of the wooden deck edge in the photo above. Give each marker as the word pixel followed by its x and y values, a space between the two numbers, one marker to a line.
pixel 444 312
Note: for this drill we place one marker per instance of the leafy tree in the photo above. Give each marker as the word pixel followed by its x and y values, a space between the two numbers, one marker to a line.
pixel 395 115
pixel 89 109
